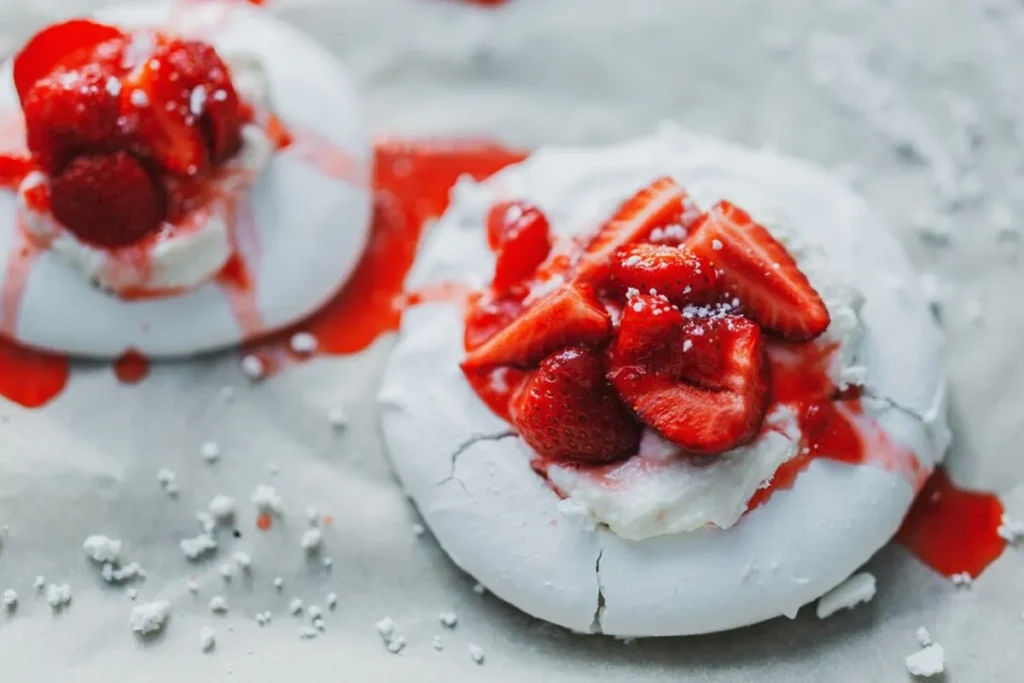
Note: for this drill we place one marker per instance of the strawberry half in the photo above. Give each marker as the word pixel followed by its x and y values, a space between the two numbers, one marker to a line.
pixel 672 271
pixel 568 411
pixel 757 269
pixel 563 318
pixel 182 107
pixel 522 236
pixel 68 113
pixel 657 205
pixel 69 45
pixel 704 385
pixel 106 200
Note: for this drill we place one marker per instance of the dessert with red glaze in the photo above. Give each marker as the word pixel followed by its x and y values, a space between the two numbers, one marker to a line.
pixel 190 176
pixel 133 135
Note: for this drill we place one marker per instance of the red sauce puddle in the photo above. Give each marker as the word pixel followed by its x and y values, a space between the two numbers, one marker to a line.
pixel 131 367
pixel 951 529
pixel 411 182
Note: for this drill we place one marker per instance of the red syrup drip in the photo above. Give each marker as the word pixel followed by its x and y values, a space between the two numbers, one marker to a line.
pixel 951 529
pixel 411 184
pixel 131 367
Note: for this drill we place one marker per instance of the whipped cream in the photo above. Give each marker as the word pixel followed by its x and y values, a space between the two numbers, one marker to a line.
pixel 180 256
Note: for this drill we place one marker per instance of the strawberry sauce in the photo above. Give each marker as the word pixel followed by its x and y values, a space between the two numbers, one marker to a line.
pixel 411 181
pixel 951 529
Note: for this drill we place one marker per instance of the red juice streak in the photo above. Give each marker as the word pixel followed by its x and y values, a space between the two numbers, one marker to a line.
pixel 411 183
pixel 131 367
pixel 951 529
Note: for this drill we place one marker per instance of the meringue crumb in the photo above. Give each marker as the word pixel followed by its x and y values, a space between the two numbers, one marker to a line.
pixel 253 367
pixel 243 560
pixel 438 645
pixel 927 662
pixel 222 508
pixel 1010 530
pixel 58 595
pixel 226 570
pixel 10 599
pixel 165 477
pixel 319 625
pixel 328 563
pixel 197 100
pixel 850 593
pixel 132 593
pixel 716 245
pixel 113 86
pixel 479 589
pixel 39 583
pixel 206 521
pixel 266 500
pixel 210 451
pixel 385 627
pixel 295 607
pixel 924 639
pixel 312 539
pixel 194 548
pixel 331 600
pixel 102 549
pixel 396 645
pixel 307 633
pixel 278 583
pixel 962 580
pixel 193 586
pixel 418 530
pixel 149 617
pixel 207 638
pixel 218 605
pixel 303 343
pixel 476 653
pixel 314 612
pixel 449 619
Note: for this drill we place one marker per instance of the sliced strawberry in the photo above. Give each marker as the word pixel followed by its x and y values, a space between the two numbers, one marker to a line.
pixel 13 170
pixel 69 45
pixel 522 237
pixel 758 270
pixel 107 200
pixel 659 204
pixel 563 318
pixel 488 315
pixel 568 411
pixel 649 326
pixel 704 388
pixel 182 107
pixel 70 113
pixel 672 271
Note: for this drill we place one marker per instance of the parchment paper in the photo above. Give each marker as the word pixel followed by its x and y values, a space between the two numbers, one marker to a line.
pixel 881 89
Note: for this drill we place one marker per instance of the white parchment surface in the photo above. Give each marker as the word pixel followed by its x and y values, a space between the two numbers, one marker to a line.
pixel 919 104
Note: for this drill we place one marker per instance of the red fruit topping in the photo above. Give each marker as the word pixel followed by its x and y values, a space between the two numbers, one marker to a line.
pixel 489 315
pixel 13 170
pixel 648 326
pixel 760 272
pixel 704 386
pixel 183 107
pixel 106 200
pixel 672 271
pixel 521 235
pixel 68 45
pixel 568 411
pixel 563 318
pixel 69 113
pixel 659 204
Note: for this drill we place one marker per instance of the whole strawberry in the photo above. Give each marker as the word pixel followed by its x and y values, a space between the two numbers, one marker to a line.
pixel 108 200
pixel 568 411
